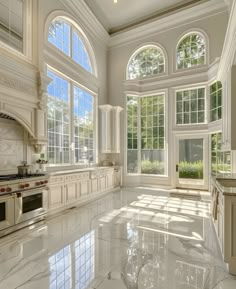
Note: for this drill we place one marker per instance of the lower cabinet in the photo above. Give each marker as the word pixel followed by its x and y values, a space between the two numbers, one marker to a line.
pixel 56 196
pixel 84 187
pixel 71 188
pixel 71 192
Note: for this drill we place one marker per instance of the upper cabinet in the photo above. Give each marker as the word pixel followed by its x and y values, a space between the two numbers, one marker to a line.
pixel 229 114
pixel 110 128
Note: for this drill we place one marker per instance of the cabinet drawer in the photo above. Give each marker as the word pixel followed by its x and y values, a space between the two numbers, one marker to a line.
pixel 56 179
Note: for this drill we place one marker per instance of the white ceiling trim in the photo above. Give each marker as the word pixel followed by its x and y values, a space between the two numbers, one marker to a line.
pixel 169 22
pixel 80 9
pixel 229 48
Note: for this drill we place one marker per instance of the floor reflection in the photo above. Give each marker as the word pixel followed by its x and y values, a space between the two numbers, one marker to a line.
pixel 126 240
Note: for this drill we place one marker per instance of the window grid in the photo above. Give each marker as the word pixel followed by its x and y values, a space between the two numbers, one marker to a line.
pixel 59 35
pixel 58 120
pixel 148 155
pixel 215 101
pixel 60 123
pixel 61 269
pixel 149 61
pixel 68 39
pixel 190 106
pixel 84 261
pixel 132 133
pixel 83 125
pixel 220 160
pixel 191 51
pixel 79 52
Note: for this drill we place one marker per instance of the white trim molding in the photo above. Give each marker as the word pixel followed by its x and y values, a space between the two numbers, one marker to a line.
pixel 197 12
pixel 229 49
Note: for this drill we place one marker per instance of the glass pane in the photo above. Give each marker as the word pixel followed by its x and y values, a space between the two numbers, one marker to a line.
pixel 132 162
pixel 191 159
pixel 11 23
pixel 2 212
pixel 58 119
pixel 153 162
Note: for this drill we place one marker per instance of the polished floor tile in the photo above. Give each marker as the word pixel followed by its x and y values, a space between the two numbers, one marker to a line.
pixel 128 239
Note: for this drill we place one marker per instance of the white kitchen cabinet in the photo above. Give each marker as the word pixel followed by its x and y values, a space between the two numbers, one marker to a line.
pixel 110 128
pixel 102 183
pixel 84 187
pixel 115 129
pixel 229 115
pixel 94 186
pixel 56 196
pixel 70 192
pixel 110 180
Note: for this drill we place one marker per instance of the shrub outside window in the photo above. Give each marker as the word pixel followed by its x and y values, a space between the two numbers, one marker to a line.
pixel 190 106
pixel 70 41
pixel 191 51
pixel 216 101
pixel 63 147
pixel 146 117
pixel 148 61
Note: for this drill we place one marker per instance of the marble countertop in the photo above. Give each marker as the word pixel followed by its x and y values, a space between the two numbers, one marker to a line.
pixel 226 190
pixel 71 171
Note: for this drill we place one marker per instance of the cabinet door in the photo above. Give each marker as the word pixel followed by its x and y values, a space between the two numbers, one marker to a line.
pixel 110 180
pixel 84 187
pixel 70 192
pixel 56 196
pixel 102 181
pixel 94 186
pixel 220 229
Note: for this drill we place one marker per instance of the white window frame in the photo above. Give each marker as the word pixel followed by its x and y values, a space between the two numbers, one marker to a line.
pixel 27 53
pixel 207 55
pixel 139 49
pixel 71 122
pixel 166 133
pixel 185 88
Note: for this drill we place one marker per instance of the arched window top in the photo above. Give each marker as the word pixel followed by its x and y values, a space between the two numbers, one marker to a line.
pixel 146 61
pixel 70 39
pixel 191 50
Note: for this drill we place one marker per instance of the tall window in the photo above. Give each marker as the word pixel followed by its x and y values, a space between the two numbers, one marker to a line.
pixel 64 118
pixel 191 51
pixel 216 101
pixel 147 61
pixel 67 38
pixel 58 119
pixel 190 106
pixel 146 117
pixel 220 160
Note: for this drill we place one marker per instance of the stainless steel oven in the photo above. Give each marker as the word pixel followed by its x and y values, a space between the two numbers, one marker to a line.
pixel 7 208
pixel 30 204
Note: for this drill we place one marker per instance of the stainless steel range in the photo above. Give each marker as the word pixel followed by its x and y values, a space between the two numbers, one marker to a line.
pixel 23 201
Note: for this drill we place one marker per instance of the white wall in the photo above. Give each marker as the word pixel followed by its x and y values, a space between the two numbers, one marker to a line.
pixel 214 26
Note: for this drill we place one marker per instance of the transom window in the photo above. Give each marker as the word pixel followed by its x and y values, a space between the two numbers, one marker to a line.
pixel 68 39
pixel 147 61
pixel 146 118
pixel 191 51
pixel 70 109
pixel 190 106
pixel 216 101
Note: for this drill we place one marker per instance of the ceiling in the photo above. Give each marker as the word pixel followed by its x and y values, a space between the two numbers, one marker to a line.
pixel 124 14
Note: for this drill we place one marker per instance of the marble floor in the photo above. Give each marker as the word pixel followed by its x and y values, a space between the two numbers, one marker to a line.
pixel 127 239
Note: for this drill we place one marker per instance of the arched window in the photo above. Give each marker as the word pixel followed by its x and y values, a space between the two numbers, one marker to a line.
pixel 71 101
pixel 71 41
pixel 147 61
pixel 191 51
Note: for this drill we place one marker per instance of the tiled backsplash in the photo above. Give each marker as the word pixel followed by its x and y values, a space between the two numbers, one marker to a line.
pixel 11 146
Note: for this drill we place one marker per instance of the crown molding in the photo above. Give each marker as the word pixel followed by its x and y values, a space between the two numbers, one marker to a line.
pixel 229 48
pixel 197 12
pixel 82 12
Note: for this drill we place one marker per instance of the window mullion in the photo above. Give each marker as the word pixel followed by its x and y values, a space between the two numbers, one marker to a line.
pixel 72 146
pixel 139 136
